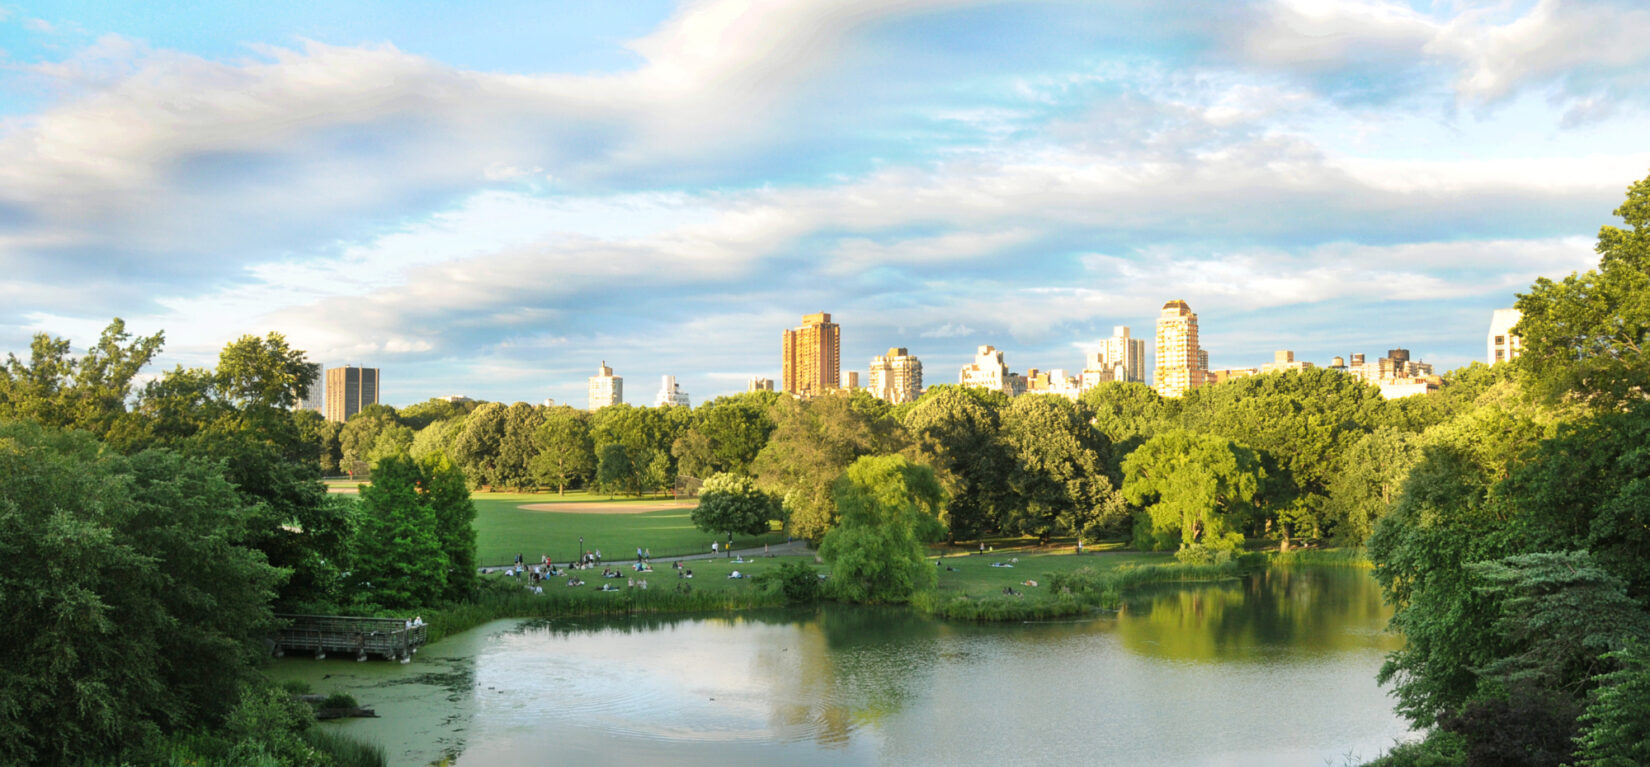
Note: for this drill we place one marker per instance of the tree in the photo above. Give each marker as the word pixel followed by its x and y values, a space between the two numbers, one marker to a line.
pixel 1616 724
pixel 55 389
pixel 421 415
pixel 439 436
pixel 1195 487
pixel 358 440
pixel 1058 474
pixel 616 472
pixel 265 372
pixel 398 557
pixel 730 503
pixel 889 507
pixel 735 429
pixel 1586 335
pixel 132 601
pixel 1371 476
pixel 443 488
pixel 476 448
pixel 320 436
pixel 1128 414
pixel 815 441
pixel 1301 422
pixel 959 436
pixel 565 452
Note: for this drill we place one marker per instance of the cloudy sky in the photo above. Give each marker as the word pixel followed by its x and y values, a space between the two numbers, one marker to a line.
pixel 492 200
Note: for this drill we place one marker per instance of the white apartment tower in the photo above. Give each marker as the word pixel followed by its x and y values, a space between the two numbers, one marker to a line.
pixel 1120 358
pixel 670 394
pixel 989 371
pixel 605 388
pixel 896 377
pixel 1502 344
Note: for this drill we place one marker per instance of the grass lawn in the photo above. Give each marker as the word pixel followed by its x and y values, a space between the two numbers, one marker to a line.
pixel 503 530
pixel 709 575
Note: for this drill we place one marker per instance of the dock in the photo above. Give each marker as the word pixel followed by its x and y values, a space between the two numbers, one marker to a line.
pixel 387 638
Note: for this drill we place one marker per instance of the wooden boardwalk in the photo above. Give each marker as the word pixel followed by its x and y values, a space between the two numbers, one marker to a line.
pixel 387 638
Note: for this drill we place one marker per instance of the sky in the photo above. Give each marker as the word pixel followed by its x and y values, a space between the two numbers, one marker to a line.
pixel 491 199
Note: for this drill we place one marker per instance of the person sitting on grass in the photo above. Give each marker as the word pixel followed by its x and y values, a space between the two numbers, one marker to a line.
pixel 1030 583
pixel 574 581
pixel 735 575
pixel 689 573
pixel 608 587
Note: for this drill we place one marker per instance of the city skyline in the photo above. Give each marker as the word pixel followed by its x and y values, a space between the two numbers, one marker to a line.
pixel 492 200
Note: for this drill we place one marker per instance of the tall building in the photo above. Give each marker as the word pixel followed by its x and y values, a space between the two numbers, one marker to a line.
pixel 853 380
pixel 605 388
pixel 1052 382
pixel 316 400
pixel 1120 356
pixel 1181 363
pixel 670 394
pixel 812 356
pixel 1503 345
pixel 348 390
pixel 896 376
pixel 989 371
pixel 758 383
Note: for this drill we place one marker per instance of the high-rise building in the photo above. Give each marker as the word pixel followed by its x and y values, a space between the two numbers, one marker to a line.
pixel 1181 364
pixel 348 390
pixel 1503 345
pixel 812 356
pixel 758 383
pixel 1121 357
pixel 605 388
pixel 896 376
pixel 853 380
pixel 989 371
pixel 670 394
pixel 1052 382
pixel 316 400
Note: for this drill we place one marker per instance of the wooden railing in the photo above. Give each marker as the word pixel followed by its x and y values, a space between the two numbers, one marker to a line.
pixel 388 638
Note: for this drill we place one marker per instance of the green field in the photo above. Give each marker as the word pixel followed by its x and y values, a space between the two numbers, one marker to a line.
pixel 504 529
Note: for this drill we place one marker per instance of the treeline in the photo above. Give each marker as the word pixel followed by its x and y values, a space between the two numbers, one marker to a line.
pixel 1517 551
pixel 1314 454
pixel 149 534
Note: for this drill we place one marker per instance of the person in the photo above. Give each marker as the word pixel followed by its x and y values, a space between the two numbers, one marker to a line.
pixel 735 575
pixel 982 547
pixel 713 548
pixel 689 573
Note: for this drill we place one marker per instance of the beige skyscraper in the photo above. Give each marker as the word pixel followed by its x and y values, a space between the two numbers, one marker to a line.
pixel 1180 365
pixel 812 356
pixel 348 390
pixel 605 388
pixel 990 371
pixel 896 376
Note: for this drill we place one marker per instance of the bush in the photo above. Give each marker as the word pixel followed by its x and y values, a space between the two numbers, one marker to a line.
pixel 795 580
pixel 340 700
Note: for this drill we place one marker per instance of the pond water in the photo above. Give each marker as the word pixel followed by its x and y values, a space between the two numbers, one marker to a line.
pixel 1275 669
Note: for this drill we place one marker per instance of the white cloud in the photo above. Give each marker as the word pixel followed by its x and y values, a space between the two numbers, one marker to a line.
pixel 948 330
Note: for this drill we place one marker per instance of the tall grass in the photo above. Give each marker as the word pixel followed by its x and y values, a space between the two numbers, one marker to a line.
pixel 511 601
pixel 344 750
pixel 1073 593
pixel 1350 557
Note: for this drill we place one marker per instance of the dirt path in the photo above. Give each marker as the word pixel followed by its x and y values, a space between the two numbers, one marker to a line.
pixel 600 507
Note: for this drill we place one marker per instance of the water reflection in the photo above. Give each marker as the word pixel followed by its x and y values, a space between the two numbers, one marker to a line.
pixel 1307 611
pixel 866 686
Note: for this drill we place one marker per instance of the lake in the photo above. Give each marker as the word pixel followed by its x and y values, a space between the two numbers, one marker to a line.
pixel 1274 669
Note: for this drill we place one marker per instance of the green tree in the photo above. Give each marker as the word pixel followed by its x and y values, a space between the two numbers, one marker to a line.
pixel 398 558
pixel 1128 414
pixel 735 429
pixel 1616 724
pixel 132 601
pixel 616 472
pixel 565 454
pixel 438 437
pixel 889 507
pixel 320 436
pixel 56 389
pixel 423 414
pixel 1301 423
pixel 477 447
pixel 444 490
pixel 1058 474
pixel 266 372
pixel 358 440
pixel 1585 336
pixel 1371 477
pixel 731 503
pixel 1198 488
pixel 814 442
pixel 959 436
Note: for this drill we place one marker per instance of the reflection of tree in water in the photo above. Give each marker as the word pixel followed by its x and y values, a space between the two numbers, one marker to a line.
pixel 1300 609
pixel 849 667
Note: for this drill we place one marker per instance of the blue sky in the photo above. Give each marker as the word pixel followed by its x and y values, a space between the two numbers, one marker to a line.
pixel 490 199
